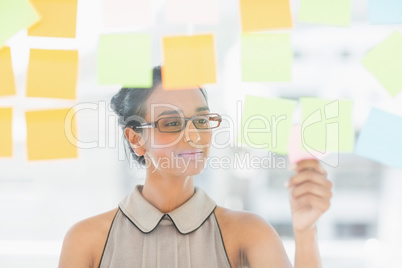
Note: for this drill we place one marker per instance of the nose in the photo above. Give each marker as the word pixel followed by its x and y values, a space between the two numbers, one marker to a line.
pixel 191 132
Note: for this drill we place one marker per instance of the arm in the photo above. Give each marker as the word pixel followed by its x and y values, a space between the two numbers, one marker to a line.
pixel 310 194
pixel 75 251
pixel 307 253
pixel 263 246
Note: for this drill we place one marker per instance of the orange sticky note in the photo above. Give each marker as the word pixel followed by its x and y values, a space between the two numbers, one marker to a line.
pixel 51 134
pixel 52 73
pixel 58 18
pixel 262 15
pixel 6 140
pixel 7 81
pixel 189 61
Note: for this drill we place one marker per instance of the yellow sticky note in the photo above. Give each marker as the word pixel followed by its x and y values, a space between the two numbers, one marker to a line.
pixel 6 140
pixel 262 15
pixel 58 18
pixel 7 81
pixel 51 134
pixel 189 61
pixel 52 73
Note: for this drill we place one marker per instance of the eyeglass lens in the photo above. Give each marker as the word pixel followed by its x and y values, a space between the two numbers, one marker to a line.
pixel 174 124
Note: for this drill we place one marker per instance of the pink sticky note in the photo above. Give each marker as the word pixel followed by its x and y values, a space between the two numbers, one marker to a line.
pixel 192 11
pixel 295 151
pixel 126 13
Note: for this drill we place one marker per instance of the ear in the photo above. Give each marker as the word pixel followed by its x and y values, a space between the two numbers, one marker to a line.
pixel 135 141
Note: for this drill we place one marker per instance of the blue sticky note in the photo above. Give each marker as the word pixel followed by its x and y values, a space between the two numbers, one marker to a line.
pixel 381 138
pixel 385 11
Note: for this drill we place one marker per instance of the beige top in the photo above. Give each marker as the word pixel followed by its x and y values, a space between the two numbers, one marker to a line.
pixel 142 236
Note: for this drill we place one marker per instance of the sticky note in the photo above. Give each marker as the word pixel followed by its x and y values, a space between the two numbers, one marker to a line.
pixel 6 137
pixel 58 18
pixel 51 134
pixel 7 80
pixel 15 15
pixel 192 11
pixel 263 15
pixel 125 59
pixel 385 62
pixel 327 125
pixel 385 11
pixel 296 152
pixel 328 12
pixel 189 61
pixel 266 123
pixel 52 73
pixel 127 13
pixel 266 57
pixel 380 139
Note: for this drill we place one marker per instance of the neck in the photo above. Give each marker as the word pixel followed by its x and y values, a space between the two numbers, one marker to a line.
pixel 167 193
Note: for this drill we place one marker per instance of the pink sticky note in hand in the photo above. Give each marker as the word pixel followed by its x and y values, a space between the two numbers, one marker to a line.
pixel 295 151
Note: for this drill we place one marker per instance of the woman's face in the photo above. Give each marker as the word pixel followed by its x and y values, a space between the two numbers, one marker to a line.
pixel 164 152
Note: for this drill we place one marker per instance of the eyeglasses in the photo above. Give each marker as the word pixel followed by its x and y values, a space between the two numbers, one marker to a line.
pixel 177 124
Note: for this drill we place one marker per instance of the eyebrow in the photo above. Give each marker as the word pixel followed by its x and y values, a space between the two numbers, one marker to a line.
pixel 198 109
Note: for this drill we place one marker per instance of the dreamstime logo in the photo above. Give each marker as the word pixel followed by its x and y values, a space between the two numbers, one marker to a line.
pixel 109 128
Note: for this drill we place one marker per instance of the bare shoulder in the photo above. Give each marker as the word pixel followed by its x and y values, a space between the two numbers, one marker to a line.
pixel 84 241
pixel 258 242
pixel 250 225
pixel 238 219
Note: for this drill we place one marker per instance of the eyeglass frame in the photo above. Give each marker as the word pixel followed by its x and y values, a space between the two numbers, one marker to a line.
pixel 186 119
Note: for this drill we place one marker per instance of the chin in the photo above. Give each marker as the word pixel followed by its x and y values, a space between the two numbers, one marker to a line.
pixel 191 168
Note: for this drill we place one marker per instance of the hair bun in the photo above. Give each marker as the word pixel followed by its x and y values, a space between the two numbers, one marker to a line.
pixel 117 102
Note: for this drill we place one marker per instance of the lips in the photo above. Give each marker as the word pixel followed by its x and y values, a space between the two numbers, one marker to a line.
pixel 190 152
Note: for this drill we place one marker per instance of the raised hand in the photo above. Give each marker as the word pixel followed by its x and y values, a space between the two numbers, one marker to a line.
pixel 310 194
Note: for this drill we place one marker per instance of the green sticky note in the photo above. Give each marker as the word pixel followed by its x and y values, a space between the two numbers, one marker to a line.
pixel 329 12
pixel 385 63
pixel 15 15
pixel 327 125
pixel 266 57
pixel 266 123
pixel 125 59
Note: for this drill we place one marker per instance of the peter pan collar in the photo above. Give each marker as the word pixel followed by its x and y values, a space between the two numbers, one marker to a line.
pixel 187 218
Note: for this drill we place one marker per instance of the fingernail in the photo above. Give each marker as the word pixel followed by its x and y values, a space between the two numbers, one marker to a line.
pixel 293 166
pixel 286 184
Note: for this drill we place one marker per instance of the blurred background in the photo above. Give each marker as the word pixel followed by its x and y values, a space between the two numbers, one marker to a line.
pixel 40 200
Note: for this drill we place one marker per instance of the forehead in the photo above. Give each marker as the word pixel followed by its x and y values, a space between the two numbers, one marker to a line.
pixel 185 100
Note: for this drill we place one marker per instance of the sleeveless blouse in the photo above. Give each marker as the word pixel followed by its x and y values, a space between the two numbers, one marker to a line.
pixel 187 237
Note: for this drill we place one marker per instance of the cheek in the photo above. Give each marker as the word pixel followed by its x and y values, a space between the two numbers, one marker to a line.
pixel 210 135
pixel 206 138
pixel 166 140
pixel 169 141
pixel 160 142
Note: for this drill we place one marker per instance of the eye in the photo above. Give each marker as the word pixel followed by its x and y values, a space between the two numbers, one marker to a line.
pixel 172 124
pixel 202 121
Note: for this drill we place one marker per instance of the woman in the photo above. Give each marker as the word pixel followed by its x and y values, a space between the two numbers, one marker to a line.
pixel 169 222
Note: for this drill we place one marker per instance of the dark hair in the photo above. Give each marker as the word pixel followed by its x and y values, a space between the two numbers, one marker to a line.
pixel 129 102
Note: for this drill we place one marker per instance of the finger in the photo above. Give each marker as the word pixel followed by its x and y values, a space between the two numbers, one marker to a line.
pixel 310 188
pixel 310 164
pixel 311 201
pixel 309 175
